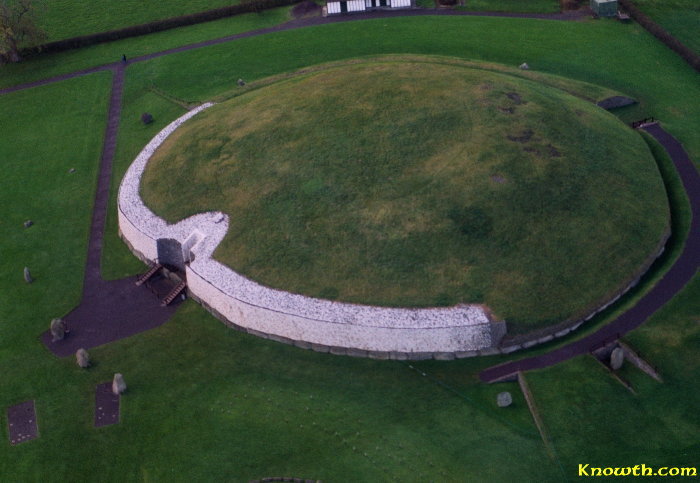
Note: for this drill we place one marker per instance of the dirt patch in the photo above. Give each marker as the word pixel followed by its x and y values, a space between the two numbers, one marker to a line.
pixel 553 152
pixel 524 137
pixel 106 405
pixel 21 419
pixel 306 9
pixel 515 97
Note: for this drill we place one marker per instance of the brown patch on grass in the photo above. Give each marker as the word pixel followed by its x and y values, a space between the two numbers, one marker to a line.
pixel 515 97
pixel 524 136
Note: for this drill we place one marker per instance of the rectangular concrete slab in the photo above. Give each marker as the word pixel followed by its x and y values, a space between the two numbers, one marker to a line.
pixel 106 405
pixel 21 420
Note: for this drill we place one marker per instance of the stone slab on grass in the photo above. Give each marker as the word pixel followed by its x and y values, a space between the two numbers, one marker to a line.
pixel 106 405
pixel 21 420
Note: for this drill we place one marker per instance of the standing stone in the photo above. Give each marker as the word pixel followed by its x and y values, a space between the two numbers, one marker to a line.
pixel 617 358
pixel 504 399
pixel 82 358
pixel 28 223
pixel 118 384
pixel 58 329
pixel 27 275
pixel 524 66
pixel 241 82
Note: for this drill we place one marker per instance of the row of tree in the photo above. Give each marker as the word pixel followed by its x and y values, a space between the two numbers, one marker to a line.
pixel 18 27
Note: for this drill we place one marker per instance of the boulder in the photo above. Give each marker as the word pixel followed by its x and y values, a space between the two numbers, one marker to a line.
pixel 27 275
pixel 58 329
pixel 504 399
pixel 82 358
pixel 524 66
pixel 118 384
pixel 28 223
pixel 617 357
pixel 616 101
pixel 241 82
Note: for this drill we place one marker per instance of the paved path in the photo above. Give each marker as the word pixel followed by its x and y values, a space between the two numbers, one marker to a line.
pixel 117 309
pixel 108 310
pixel 682 271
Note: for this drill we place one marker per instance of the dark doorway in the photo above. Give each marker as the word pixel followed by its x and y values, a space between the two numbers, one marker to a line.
pixel 170 253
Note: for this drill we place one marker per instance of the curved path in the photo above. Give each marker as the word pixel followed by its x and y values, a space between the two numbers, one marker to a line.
pixel 111 310
pixel 682 271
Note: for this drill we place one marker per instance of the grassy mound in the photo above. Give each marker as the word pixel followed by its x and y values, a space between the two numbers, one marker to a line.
pixel 420 184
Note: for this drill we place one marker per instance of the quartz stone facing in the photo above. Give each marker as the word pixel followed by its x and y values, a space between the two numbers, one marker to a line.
pixel 462 329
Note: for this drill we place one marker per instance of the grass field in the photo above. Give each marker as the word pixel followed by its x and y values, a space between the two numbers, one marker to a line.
pixel 45 66
pixel 62 19
pixel 519 6
pixel 425 184
pixel 681 18
pixel 656 426
pixel 206 402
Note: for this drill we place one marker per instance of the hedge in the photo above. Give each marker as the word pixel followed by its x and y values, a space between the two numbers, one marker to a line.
pixel 657 31
pixel 156 26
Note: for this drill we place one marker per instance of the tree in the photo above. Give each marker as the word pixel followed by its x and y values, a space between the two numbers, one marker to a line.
pixel 18 27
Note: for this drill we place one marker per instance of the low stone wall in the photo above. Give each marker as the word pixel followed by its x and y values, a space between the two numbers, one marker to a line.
pixel 325 325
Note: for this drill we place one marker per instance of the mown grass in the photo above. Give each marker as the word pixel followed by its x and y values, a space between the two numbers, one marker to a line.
pixel 517 6
pixel 422 185
pixel 593 419
pixel 681 18
pixel 62 19
pixel 43 66
pixel 47 132
pixel 618 56
pixel 408 416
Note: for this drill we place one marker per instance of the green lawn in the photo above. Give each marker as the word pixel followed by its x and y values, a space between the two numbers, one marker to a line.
pixel 44 66
pixel 209 403
pixel 424 184
pixel 681 18
pixel 46 132
pixel 593 419
pixel 517 6
pixel 70 18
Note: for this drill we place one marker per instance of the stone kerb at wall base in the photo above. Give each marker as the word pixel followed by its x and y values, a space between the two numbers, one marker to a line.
pixel 336 327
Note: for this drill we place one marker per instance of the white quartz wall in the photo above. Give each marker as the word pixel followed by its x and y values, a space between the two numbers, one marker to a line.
pixel 247 304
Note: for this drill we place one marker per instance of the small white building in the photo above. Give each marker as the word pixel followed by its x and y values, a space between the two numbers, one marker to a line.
pixel 334 7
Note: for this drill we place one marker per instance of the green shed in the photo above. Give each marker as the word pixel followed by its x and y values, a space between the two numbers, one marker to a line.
pixel 604 8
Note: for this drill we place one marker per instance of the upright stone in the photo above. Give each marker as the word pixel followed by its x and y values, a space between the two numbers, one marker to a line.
pixel 617 357
pixel 58 329
pixel 27 275
pixel 118 384
pixel 82 358
pixel 504 399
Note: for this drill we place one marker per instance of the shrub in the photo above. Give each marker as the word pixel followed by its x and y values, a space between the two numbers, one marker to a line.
pixel 146 118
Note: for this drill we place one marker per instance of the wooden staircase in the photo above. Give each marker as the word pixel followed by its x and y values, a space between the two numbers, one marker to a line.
pixel 146 276
pixel 173 293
